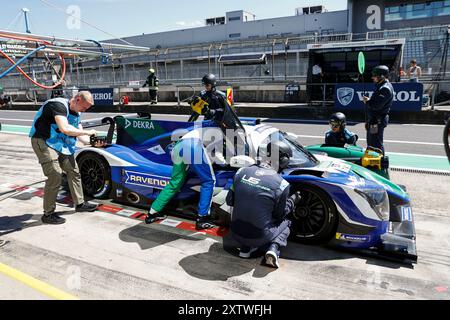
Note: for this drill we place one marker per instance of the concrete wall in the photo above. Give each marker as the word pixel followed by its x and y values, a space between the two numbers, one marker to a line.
pixel 337 21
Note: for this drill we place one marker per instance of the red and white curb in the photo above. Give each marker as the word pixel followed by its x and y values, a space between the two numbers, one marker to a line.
pixel 119 211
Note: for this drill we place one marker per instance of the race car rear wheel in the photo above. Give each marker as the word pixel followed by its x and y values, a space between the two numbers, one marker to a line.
pixel 95 175
pixel 315 218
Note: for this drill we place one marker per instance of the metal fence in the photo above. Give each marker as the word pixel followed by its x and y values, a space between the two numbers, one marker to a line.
pixel 287 59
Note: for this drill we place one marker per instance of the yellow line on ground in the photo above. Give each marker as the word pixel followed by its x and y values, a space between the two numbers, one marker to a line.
pixel 36 284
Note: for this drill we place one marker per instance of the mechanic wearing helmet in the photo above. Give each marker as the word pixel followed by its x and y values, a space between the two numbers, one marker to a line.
pixel 153 86
pixel 378 107
pixel 339 135
pixel 189 153
pixel 216 99
pixel 260 200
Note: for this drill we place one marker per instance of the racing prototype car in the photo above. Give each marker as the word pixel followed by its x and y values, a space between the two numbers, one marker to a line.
pixel 342 203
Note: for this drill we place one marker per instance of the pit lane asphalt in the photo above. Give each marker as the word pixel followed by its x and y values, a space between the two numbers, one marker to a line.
pixel 103 256
pixel 400 138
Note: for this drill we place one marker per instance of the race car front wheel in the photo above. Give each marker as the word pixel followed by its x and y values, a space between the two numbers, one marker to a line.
pixel 95 175
pixel 314 219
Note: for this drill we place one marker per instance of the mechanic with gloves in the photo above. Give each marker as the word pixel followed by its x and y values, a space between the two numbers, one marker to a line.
pixel 54 135
pixel 153 86
pixel 260 200
pixel 215 99
pixel 189 153
pixel 339 135
pixel 378 107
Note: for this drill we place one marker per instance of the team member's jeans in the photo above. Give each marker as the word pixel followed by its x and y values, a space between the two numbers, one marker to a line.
pixel 53 164
pixel 375 140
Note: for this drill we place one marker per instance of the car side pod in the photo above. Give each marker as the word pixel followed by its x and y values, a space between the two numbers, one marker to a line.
pixel 400 242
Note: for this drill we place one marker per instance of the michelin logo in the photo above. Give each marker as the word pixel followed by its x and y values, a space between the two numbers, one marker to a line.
pixel 352 238
pixel 345 95
pixel 146 180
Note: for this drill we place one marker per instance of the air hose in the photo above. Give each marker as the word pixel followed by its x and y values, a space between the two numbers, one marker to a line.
pixel 43 45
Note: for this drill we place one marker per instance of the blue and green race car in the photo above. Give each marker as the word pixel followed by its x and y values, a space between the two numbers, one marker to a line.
pixel 342 204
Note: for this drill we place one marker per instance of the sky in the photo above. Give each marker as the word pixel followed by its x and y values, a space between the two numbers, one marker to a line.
pixel 106 19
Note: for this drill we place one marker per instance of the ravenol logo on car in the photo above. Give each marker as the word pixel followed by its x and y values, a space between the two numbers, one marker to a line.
pixel 146 180
pixel 345 95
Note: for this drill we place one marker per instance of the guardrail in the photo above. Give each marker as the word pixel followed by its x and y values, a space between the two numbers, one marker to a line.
pixel 187 99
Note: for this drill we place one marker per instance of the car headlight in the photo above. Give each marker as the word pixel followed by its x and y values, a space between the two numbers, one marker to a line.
pixel 378 200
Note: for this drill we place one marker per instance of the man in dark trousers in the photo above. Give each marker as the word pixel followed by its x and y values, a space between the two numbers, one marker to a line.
pixel 153 86
pixel 378 107
pixel 54 133
pixel 260 200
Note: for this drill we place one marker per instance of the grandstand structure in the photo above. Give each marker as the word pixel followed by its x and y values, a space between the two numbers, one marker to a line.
pixel 240 48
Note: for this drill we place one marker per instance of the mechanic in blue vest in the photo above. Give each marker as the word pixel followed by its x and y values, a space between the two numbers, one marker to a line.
pixel 261 202
pixel 378 107
pixel 339 135
pixel 54 135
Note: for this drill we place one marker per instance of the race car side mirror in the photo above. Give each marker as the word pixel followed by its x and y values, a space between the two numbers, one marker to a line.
pixel 241 162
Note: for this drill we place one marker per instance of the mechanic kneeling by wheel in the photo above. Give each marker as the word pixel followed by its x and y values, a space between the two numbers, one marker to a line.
pixel 260 200
pixel 54 135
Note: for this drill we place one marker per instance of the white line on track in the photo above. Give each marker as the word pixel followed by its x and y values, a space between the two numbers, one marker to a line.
pixel 19 120
pixel 389 141
pixel 300 136
pixel 416 155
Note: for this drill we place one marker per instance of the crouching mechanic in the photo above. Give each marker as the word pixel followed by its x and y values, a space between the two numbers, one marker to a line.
pixel 53 136
pixel 260 200
pixel 339 135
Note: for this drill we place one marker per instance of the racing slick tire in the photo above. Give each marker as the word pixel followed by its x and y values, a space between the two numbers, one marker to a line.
pixel 95 175
pixel 315 218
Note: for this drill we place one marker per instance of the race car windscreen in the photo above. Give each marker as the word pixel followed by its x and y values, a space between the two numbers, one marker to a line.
pixel 301 158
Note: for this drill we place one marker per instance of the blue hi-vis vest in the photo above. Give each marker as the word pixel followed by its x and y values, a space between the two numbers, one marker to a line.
pixel 59 141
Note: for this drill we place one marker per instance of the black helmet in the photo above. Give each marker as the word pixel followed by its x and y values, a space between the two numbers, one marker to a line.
pixel 380 71
pixel 284 154
pixel 338 120
pixel 209 79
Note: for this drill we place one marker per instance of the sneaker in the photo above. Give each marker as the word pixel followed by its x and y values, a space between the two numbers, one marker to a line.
pixel 154 217
pixel 86 207
pixel 272 256
pixel 204 223
pixel 52 219
pixel 246 252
